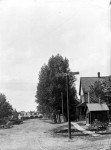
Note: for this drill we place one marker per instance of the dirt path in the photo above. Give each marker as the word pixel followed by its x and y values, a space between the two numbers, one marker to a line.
pixel 34 135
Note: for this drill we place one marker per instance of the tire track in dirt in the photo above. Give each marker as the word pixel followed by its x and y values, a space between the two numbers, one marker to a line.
pixel 41 146
pixel 37 135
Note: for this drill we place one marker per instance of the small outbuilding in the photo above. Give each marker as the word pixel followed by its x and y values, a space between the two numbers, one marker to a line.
pixel 96 111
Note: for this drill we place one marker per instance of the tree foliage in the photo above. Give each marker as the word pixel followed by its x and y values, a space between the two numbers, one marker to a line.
pixel 51 84
pixel 101 91
pixel 5 107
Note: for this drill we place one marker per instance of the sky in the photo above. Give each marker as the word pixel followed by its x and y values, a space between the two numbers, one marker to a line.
pixel 31 31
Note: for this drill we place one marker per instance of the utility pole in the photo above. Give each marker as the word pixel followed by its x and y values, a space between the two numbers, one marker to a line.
pixel 68 107
pixel 62 103
pixel 68 102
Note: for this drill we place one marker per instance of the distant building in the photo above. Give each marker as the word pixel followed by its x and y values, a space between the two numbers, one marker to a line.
pixel 30 114
pixel 24 114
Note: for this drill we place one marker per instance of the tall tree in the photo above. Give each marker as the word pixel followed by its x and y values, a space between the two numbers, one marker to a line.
pixel 52 84
pixel 5 107
pixel 101 91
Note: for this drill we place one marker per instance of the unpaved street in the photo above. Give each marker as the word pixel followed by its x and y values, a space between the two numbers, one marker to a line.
pixel 34 134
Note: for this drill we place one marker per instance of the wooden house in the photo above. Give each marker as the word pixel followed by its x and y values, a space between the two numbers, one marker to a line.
pixel 88 110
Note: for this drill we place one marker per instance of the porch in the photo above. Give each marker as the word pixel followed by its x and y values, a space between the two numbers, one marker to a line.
pixel 81 112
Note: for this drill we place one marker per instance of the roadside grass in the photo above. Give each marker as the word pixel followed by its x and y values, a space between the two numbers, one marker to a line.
pixel 62 131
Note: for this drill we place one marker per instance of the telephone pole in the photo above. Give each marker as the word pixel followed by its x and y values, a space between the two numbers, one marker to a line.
pixel 68 102
pixel 62 103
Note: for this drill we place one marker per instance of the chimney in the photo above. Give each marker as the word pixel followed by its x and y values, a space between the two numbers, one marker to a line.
pixel 98 74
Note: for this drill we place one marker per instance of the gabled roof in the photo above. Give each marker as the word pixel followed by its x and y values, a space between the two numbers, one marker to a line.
pixel 86 82
pixel 97 107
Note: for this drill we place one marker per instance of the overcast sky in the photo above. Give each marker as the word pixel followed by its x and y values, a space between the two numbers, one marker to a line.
pixel 32 30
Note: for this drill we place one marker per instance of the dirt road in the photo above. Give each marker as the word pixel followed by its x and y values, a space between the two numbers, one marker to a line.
pixel 34 135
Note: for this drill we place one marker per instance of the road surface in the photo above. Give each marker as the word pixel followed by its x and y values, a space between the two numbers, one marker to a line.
pixel 34 134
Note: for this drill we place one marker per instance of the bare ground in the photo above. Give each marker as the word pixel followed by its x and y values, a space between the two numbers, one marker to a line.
pixel 38 134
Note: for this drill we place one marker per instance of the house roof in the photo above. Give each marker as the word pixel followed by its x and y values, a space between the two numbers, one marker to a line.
pixel 97 107
pixel 86 82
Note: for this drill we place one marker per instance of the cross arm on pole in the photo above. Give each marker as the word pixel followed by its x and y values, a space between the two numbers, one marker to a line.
pixel 65 74
pixel 73 73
